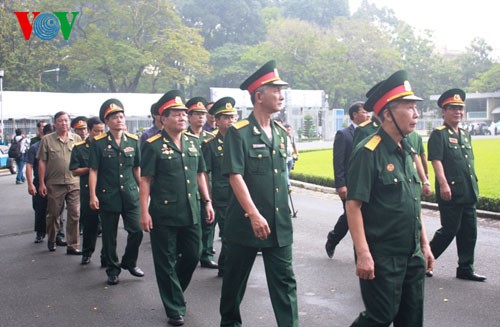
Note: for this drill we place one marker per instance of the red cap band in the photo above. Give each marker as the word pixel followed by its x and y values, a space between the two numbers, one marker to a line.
pixel 397 92
pixel 456 99
pixel 264 79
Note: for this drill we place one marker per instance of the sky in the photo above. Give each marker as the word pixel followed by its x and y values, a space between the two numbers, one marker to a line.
pixel 454 23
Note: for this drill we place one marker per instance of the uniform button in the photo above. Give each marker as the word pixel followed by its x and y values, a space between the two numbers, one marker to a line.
pixel 189 195
pixel 121 176
pixel 469 166
pixel 395 180
pixel 277 190
pixel 119 153
pixel 187 181
pixel 86 185
pixel 416 199
pixel 259 156
pixel 103 190
pixel 463 146
pixel 185 168
pixel 452 182
pixel 222 154
pixel 466 156
pixel 277 209
pixel 166 201
pixel 121 186
pixel 121 164
pixel 275 171
pixel 183 155
pixel 274 151
pixel 409 180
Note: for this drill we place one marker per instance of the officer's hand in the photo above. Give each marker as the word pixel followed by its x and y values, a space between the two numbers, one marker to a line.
pixel 146 222
pixel 365 267
pixel 342 191
pixel 94 203
pixel 426 190
pixel 429 257
pixel 32 189
pixel 260 227
pixel 210 212
pixel 42 189
pixel 445 192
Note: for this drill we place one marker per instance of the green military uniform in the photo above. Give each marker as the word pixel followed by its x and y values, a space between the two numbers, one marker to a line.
pixel 458 216
pixel 207 230
pixel 88 217
pixel 416 142
pixel 262 164
pixel 175 211
pixel 383 177
pixel 364 130
pixel 118 194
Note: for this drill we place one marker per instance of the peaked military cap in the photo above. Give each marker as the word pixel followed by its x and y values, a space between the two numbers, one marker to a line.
pixel 395 87
pixel 266 75
pixel 79 122
pixel 171 100
pixel 223 106
pixel 197 104
pixel 109 107
pixel 454 97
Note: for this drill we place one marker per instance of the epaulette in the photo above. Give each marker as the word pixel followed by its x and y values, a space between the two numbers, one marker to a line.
pixel 80 143
pixel 132 136
pixel 240 124
pixel 210 138
pixel 373 143
pixel 154 138
pixel 440 128
pixel 366 122
pixel 100 136
pixel 190 134
pixel 280 125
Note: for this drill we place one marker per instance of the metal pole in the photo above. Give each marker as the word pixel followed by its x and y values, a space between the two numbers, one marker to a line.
pixel 1 104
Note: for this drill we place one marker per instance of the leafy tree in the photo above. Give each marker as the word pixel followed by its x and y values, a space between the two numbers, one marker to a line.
pixel 320 12
pixel 309 128
pixel 488 81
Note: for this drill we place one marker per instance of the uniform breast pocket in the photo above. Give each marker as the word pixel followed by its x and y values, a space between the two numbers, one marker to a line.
pixel 391 188
pixel 456 185
pixel 170 162
pixel 259 161
pixel 455 151
pixel 192 159
pixel 129 158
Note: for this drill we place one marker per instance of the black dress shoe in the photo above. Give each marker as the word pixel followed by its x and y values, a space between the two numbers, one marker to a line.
pixel 213 251
pixel 330 249
pixel 220 273
pixel 209 264
pixel 429 273
pixel 51 246
pixel 470 275
pixel 113 280
pixel 71 251
pixel 38 239
pixel 61 242
pixel 176 321
pixel 134 271
pixel 85 260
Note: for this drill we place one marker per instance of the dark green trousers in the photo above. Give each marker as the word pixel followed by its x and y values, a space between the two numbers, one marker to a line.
pixel 89 220
pixel 176 252
pixel 460 221
pixel 280 282
pixel 220 217
pixel 131 223
pixel 396 295
pixel 207 235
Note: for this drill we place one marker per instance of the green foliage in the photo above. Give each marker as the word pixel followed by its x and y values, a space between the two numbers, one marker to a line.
pixel 309 128
pixel 320 12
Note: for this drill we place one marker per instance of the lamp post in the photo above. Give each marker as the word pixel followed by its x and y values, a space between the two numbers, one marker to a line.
pixel 48 71
pixel 1 104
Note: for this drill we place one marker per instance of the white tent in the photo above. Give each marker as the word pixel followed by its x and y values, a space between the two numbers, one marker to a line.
pixel 19 105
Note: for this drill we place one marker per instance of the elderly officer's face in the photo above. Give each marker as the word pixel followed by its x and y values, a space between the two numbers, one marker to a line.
pixel 116 122
pixel 406 114
pixel 271 98
pixel 452 115
pixel 62 124
pixel 175 122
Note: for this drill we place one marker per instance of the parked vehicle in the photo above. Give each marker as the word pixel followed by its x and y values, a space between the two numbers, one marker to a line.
pixel 494 128
pixel 480 128
pixel 5 161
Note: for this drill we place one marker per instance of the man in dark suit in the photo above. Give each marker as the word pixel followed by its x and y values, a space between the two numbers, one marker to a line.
pixel 342 148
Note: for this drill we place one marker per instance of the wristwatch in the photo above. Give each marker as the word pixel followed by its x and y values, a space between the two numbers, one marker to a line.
pixel 427 183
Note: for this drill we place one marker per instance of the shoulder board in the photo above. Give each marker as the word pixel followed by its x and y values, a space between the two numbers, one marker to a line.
pixel 210 138
pixel 132 136
pixel 366 122
pixel 100 136
pixel 241 123
pixel 373 143
pixel 440 128
pixel 154 138
pixel 80 143
pixel 280 125
pixel 189 134
pixel 215 131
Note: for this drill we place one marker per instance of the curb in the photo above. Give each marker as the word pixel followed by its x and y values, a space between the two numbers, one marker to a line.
pixel 425 205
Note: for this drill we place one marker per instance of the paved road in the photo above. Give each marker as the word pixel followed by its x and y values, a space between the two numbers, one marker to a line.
pixel 53 289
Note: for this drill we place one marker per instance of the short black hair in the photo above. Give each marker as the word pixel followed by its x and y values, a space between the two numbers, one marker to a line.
pixel 355 108
pixel 47 129
pixel 59 114
pixel 93 121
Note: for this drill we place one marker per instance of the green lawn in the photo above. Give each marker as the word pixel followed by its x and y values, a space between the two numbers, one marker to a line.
pixel 486 154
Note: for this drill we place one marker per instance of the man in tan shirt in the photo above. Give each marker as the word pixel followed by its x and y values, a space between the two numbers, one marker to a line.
pixel 59 184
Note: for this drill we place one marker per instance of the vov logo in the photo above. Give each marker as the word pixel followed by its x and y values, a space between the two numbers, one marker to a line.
pixel 46 26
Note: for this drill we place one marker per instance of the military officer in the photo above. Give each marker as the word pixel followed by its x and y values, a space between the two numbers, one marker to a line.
pixel 213 151
pixel 383 184
pixel 79 126
pixel 79 166
pixel 258 216
pixel 197 117
pixel 450 151
pixel 113 180
pixel 172 176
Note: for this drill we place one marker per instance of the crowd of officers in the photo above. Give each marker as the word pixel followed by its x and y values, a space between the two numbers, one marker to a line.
pixel 176 182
